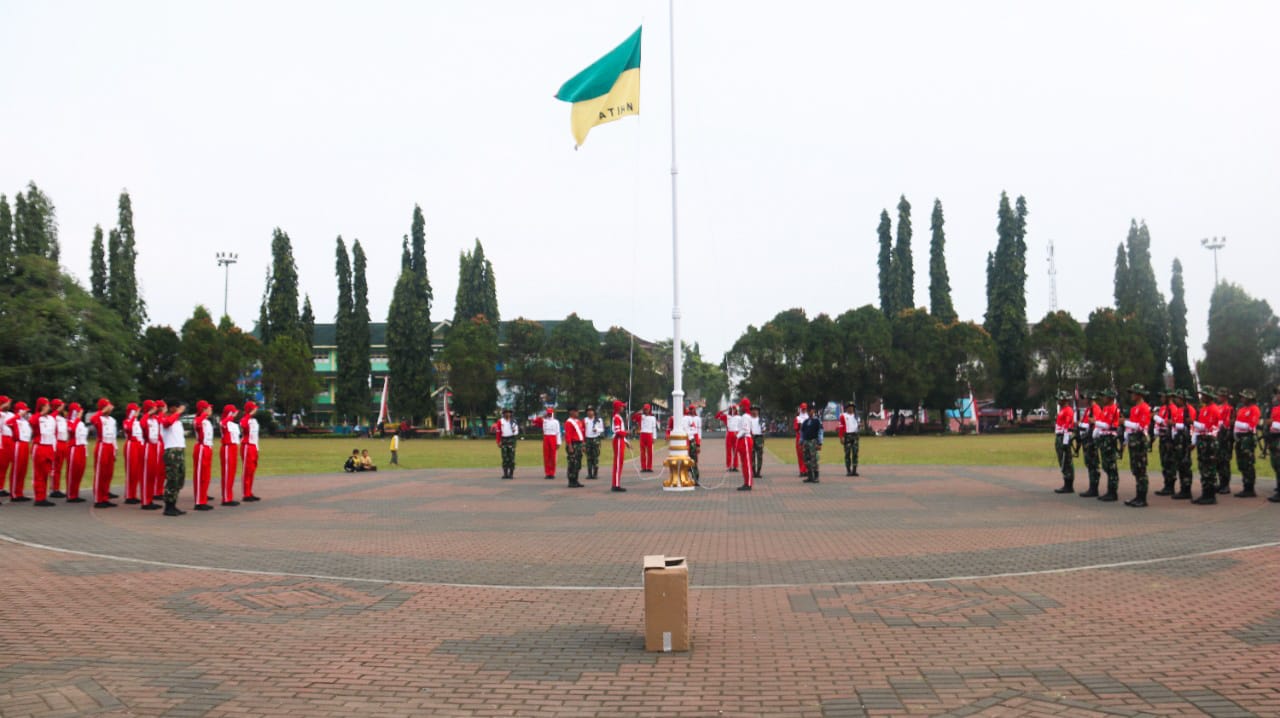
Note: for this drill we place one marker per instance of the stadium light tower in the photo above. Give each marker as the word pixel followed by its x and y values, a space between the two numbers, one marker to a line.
pixel 1213 245
pixel 225 260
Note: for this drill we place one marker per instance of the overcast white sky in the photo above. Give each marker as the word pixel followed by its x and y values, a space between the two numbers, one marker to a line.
pixel 798 122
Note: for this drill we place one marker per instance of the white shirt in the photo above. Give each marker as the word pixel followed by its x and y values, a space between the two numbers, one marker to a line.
pixel 734 423
pixel 60 428
pixel 595 427
pixel 757 429
pixel 508 428
pixel 173 436
pixel 206 431
pixel 108 430
pixel 82 433
pixel 5 416
pixel 693 425
pixel 252 437
pixel 648 424
pixel 551 427
pixel 135 430
pixel 153 430
pixel 24 429
pixel 48 430
pixel 850 422
pixel 233 432
pixel 744 426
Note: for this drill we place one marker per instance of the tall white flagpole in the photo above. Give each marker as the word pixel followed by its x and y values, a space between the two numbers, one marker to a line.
pixel 677 358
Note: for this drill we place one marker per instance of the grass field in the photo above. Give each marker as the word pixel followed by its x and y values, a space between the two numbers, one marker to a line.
pixel 319 456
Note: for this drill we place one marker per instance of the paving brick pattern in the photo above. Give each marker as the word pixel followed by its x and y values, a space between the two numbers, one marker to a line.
pixel 841 599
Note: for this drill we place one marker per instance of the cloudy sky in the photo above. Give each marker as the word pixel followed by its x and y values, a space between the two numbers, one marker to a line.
pixel 797 122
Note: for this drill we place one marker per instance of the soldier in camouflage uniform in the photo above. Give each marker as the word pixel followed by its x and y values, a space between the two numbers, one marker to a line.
pixel 811 441
pixel 1105 426
pixel 1064 428
pixel 1164 419
pixel 1136 428
pixel 1206 442
pixel 1271 440
pixel 506 431
pixel 595 430
pixel 1088 445
pixel 1226 439
pixel 1245 428
pixel 175 465
pixel 1185 401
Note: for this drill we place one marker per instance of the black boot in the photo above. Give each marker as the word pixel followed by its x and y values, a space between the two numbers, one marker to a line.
pixel 57 495
pixel 1183 493
pixel 855 471
pixel 170 509
pixel 1167 490
pixel 1138 501
pixel 1247 492
pixel 1092 491
pixel 1208 496
pixel 1109 496
pixel 1225 488
pixel 1275 498
pixel 1068 487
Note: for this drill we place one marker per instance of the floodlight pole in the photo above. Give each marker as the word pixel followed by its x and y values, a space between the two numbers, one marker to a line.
pixel 225 260
pixel 677 352
pixel 1213 245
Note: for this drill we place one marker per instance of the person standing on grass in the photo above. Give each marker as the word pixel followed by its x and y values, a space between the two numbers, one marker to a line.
pixel 249 434
pixel 574 437
pixel 78 454
pixel 62 449
pixel 811 442
pixel 1063 429
pixel 395 448
pixel 104 454
pixel 620 444
pixel 175 450
pixel 849 438
pixel 594 427
pixel 505 433
pixel 229 454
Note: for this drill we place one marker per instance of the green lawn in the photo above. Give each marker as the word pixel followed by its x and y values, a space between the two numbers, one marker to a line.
pixel 319 456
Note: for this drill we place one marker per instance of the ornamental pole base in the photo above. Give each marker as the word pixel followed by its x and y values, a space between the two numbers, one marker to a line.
pixel 678 464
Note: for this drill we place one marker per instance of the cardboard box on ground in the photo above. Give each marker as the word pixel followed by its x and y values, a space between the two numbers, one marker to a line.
pixel 666 603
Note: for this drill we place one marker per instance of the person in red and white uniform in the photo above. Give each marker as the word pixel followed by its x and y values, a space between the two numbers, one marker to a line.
pixel 1205 438
pixel 44 449
pixel 1271 436
pixel 20 430
pixel 801 416
pixel 730 420
pixel 104 454
pixel 1245 428
pixel 249 449
pixel 153 459
pixel 62 449
pixel 745 450
pixel 202 459
pixel 134 447
pixel 6 444
pixel 229 454
pixel 620 444
pixel 575 436
pixel 78 454
pixel 1136 438
pixel 550 426
pixel 647 423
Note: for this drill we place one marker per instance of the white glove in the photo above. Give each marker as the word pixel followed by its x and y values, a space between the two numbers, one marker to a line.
pixel 1132 426
pixel 1198 426
pixel 1102 425
pixel 1159 419
pixel 1275 426
pixel 1243 428
pixel 1193 439
pixel 1097 433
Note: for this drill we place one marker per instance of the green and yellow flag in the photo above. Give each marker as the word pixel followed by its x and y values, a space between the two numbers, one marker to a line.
pixel 608 90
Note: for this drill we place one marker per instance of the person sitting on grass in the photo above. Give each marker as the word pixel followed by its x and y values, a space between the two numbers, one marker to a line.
pixel 366 462
pixel 353 462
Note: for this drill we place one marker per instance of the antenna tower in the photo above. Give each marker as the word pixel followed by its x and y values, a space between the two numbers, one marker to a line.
pixel 1053 280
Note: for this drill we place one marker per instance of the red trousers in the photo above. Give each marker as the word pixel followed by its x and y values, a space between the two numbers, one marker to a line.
pixel 42 468
pixel 249 458
pixel 730 451
pixel 227 464
pixel 6 460
pixel 75 470
pixel 61 453
pixel 804 471
pixel 745 448
pixel 202 471
pixel 619 456
pixel 153 472
pixel 133 471
pixel 549 445
pixel 646 452
pixel 18 470
pixel 104 469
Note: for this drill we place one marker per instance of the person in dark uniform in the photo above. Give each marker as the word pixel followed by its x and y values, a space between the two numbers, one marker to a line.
pixel 811 441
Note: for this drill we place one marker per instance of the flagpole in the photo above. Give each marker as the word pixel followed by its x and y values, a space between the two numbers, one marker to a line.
pixel 677 362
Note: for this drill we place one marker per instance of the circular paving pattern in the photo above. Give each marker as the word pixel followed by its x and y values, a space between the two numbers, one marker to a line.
pixel 470 528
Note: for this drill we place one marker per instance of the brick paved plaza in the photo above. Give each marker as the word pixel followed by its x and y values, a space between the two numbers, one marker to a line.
pixel 921 590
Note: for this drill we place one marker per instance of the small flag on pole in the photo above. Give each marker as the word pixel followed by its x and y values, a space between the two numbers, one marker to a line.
pixel 382 408
pixel 608 90
pixel 448 418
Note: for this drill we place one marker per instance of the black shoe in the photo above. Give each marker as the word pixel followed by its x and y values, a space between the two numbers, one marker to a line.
pixel 1137 502
pixel 1092 492
pixel 252 498
pixel 744 487
pixel 548 477
pixel 577 485
pixel 855 473
pixel 1246 494
pixel 208 499
pixel 76 500
pixel 43 503
pixel 157 497
pixel 1167 490
pixel 171 510
pixel 19 499
pixel 1108 497
pixel 1182 494
pixel 116 496
pixel 57 495
pixel 1224 489
pixel 230 503
pixel 204 507
pixel 1274 498
pixel 809 481
pixel 592 478
pixel 1065 489
pixel 150 507
pixel 103 505
pixel 4 494
pixel 132 502
pixel 1206 498
pixel 617 488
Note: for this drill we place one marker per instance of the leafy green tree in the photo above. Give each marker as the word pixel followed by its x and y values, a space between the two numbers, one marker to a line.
pixel 573 348
pixel 968 357
pixel 767 362
pixel 282 295
pixel 530 375
pixel 1243 332
pixel 866 338
pixel 1144 302
pixel 1182 378
pixel 1006 319
pixel 6 238
pixel 159 363
pixel 35 224
pixel 904 281
pixel 477 291
pixel 199 357
pixel 1058 346
pixel 471 355
pixel 98 267
pixel 820 372
pixel 917 357
pixel 939 282
pixel 287 373
pixel 888 295
pixel 703 380
pixel 1117 355
pixel 240 352
pixel 409 330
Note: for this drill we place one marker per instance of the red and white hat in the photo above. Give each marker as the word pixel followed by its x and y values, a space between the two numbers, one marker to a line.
pixel 617 405
pixel 103 403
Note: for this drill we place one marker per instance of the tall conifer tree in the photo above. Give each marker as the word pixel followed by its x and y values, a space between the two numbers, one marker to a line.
pixel 904 281
pixel 347 401
pixel 409 329
pixel 6 237
pixel 124 293
pixel 360 341
pixel 1182 378
pixel 1006 319
pixel 888 296
pixel 939 283
pixel 476 291
pixel 282 297
pixel 98 266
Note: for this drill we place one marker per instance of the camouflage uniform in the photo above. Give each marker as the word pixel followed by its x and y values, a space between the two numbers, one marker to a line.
pixel 1108 449
pixel 1226 446
pixel 175 474
pixel 1091 458
pixel 1273 448
pixel 1207 452
pixel 1138 460
pixel 811 449
pixel 851 451
pixel 694 449
pixel 1245 459
pixel 1184 451
pixel 1062 443
pixel 508 448
pixel 573 451
pixel 757 453
pixel 593 457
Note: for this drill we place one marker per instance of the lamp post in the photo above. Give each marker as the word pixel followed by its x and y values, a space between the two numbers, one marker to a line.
pixel 1213 245
pixel 225 260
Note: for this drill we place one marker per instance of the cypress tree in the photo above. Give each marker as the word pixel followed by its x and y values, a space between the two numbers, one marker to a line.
pixel 1006 319
pixel 476 291
pixel 6 237
pixel 939 283
pixel 20 238
pixel 409 329
pixel 308 319
pixel 124 295
pixel 98 266
pixel 1148 304
pixel 1178 331
pixel 406 259
pixel 887 292
pixel 282 296
pixel 360 348
pixel 1125 303
pixel 904 281
pixel 264 319
pixel 35 224
pixel 346 402
pixel 115 271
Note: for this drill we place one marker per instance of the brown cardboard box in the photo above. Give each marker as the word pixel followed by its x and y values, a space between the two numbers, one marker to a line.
pixel 666 603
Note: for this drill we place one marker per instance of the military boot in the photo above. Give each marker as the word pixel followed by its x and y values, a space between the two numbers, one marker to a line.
pixel 1109 496
pixel 1207 497
pixel 1275 498
pixel 1183 493
pixel 1225 487
pixel 1138 501
pixel 1068 487
pixel 1167 490
pixel 1247 492
pixel 1092 490
pixel 171 509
